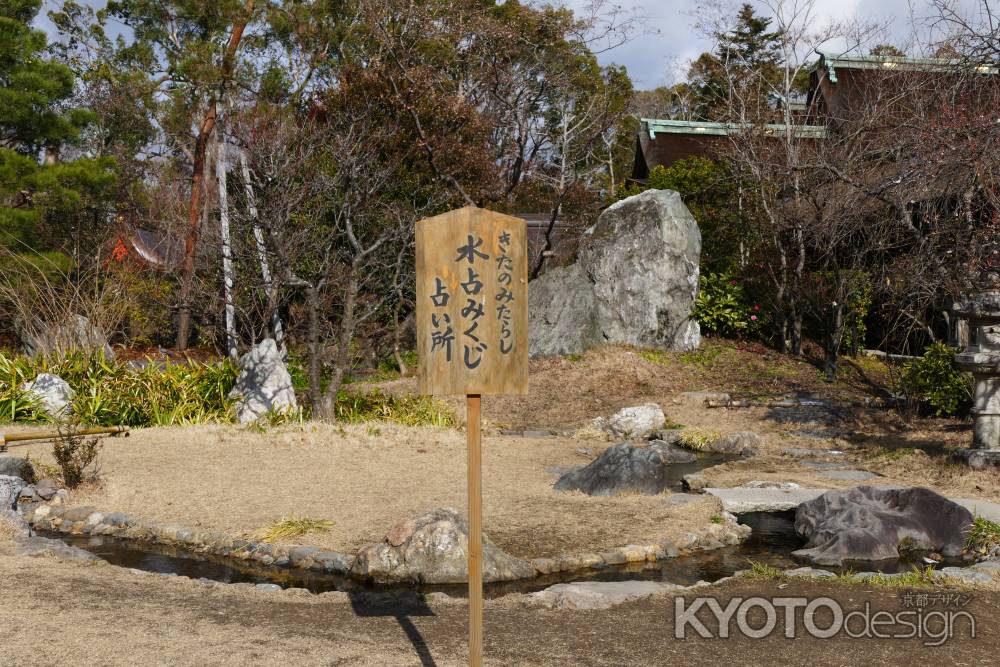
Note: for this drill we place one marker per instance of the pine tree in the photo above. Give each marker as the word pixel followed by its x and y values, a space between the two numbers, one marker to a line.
pixel 750 47
pixel 36 124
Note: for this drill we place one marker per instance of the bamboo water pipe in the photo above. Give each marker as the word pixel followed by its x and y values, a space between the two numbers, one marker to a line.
pixel 24 438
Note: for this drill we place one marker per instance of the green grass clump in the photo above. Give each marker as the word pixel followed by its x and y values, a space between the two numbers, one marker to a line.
pixel 915 577
pixel 983 536
pixel 763 572
pixel 112 392
pixel 291 527
pixel 696 440
pixel 406 410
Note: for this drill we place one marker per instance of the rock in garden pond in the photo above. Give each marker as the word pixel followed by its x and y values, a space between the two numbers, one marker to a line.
pixel 54 393
pixel 740 443
pixel 15 466
pixel 635 282
pixel 10 488
pixel 263 384
pixel 671 453
pixel 598 594
pixel 637 422
pixel 622 468
pixel 869 523
pixel 433 549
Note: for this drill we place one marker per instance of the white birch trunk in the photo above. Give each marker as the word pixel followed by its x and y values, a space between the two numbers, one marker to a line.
pixel 227 250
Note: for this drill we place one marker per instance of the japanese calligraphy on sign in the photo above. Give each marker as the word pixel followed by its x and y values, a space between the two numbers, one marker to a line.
pixel 472 303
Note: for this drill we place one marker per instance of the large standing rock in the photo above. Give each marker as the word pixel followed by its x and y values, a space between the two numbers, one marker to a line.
pixel 54 393
pixel 637 422
pixel 433 549
pixel 263 384
pixel 868 523
pixel 58 339
pixel 635 282
pixel 623 468
pixel 562 312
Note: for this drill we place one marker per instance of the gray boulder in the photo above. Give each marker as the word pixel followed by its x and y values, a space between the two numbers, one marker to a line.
pixel 433 549
pixel 15 466
pixel 562 314
pixel 263 384
pixel 54 393
pixel 10 489
pixel 870 523
pixel 740 443
pixel 635 282
pixel 598 594
pixel 623 468
pixel 79 333
pixel 636 422
pixel 671 453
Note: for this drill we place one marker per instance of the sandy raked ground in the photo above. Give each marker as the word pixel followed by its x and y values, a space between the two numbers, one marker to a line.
pixel 365 479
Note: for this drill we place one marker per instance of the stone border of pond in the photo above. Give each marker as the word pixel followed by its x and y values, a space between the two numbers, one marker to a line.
pixel 85 520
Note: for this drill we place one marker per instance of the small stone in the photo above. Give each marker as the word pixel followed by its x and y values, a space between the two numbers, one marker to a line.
pixel 636 422
pixel 706 396
pixel 268 588
pixel 694 482
pixel 987 566
pixel 808 572
pixel 965 575
pixel 633 553
pixel 613 558
pixel 544 565
pixel 598 594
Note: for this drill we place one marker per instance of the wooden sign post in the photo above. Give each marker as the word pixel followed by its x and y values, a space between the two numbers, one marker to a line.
pixel 472 339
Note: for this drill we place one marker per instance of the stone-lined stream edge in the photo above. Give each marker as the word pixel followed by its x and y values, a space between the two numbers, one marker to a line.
pixel 86 520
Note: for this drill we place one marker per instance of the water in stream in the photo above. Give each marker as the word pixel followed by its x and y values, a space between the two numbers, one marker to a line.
pixel 771 543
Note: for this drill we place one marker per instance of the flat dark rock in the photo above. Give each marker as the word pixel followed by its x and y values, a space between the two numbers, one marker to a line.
pixel 622 468
pixel 870 524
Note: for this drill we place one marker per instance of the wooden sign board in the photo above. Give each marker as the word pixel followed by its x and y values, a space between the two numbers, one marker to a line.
pixel 472 303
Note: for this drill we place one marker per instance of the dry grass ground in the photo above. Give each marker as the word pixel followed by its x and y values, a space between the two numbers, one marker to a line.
pixel 364 479
pixel 75 614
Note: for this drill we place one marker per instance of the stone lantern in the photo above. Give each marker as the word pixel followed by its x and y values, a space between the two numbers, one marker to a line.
pixel 982 359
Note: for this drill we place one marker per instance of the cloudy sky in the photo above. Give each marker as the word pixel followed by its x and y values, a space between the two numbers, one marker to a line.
pixel 672 39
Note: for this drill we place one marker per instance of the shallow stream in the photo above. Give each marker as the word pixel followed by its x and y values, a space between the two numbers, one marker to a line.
pixel 771 543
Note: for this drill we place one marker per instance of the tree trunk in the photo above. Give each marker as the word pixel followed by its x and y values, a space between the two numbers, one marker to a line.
pixel 265 267
pixel 342 363
pixel 194 219
pixel 228 282
pixel 315 360
pixel 832 351
pixel 194 204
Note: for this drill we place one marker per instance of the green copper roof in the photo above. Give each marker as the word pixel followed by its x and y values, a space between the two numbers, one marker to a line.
pixel 832 61
pixel 656 126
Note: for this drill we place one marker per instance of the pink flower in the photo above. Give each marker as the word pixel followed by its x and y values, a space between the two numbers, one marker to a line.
pixel 732 282
pixel 756 307
pixel 753 318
